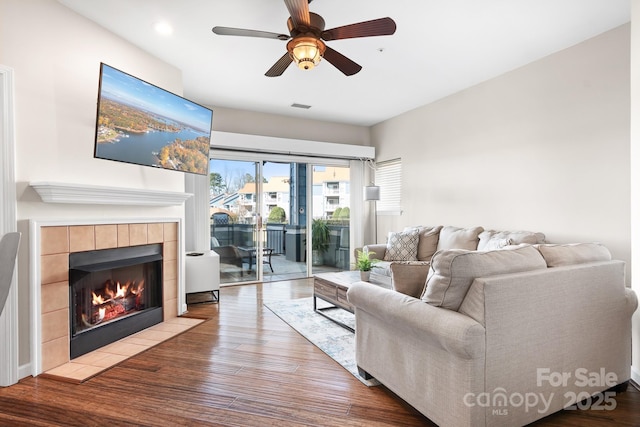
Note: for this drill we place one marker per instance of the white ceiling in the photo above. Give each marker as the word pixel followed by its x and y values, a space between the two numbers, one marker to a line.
pixel 440 47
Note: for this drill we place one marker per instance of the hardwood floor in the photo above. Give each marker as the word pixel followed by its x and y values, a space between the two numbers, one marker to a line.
pixel 243 367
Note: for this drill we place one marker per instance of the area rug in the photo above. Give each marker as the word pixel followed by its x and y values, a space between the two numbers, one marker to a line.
pixel 336 341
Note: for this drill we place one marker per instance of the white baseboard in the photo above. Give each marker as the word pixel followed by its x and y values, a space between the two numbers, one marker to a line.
pixel 24 371
pixel 635 375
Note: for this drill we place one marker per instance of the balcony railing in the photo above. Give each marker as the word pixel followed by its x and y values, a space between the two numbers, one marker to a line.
pixel 337 255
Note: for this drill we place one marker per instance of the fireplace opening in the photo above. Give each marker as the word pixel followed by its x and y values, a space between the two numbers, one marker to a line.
pixel 113 293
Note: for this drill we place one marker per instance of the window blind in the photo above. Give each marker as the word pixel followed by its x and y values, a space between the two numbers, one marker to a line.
pixel 389 179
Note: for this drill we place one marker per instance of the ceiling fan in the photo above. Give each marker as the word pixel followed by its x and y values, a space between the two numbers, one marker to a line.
pixel 307 35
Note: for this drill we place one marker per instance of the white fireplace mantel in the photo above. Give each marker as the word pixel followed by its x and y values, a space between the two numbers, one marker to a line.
pixel 55 192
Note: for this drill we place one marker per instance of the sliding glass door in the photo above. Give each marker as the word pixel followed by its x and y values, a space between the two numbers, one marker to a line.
pixel 331 215
pixel 235 219
pixel 278 220
pixel 284 198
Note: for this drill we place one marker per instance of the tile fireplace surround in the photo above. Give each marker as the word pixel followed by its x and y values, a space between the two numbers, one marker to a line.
pixel 51 340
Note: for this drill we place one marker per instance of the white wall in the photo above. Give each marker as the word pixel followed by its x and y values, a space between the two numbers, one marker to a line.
pixel 635 177
pixel 544 148
pixel 254 123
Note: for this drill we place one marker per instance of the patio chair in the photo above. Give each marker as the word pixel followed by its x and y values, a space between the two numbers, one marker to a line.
pixel 229 255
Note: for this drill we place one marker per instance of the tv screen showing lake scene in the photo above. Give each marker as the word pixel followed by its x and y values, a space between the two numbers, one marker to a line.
pixel 143 124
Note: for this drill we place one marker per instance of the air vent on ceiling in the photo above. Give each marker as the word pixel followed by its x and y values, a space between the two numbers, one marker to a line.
pixel 296 105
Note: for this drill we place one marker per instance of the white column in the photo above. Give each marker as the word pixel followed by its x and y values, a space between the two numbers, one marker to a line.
pixel 8 223
pixel 635 186
pixel 197 227
pixel 360 217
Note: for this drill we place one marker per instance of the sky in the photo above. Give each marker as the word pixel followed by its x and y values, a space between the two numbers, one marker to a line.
pixel 241 167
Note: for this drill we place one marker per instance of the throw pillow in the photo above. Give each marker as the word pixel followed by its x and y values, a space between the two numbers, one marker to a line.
pixel 409 277
pixel 487 237
pixel 402 246
pixel 453 271
pixel 459 238
pixel 573 253
pixel 427 241
pixel 494 244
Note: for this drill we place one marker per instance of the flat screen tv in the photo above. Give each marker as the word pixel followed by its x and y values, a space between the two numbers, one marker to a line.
pixel 143 124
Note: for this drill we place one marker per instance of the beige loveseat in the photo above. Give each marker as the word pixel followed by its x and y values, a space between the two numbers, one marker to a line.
pixel 501 337
pixel 404 258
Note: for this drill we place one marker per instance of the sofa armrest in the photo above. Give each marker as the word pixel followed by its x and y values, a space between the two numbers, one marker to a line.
pixel 379 250
pixel 446 329
pixel 409 277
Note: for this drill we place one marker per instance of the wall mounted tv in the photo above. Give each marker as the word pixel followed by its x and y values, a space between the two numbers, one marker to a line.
pixel 143 124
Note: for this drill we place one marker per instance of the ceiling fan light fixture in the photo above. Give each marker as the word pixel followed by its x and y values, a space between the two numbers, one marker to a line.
pixel 306 51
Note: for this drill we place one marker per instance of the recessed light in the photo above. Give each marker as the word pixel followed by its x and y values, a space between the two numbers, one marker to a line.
pixel 163 27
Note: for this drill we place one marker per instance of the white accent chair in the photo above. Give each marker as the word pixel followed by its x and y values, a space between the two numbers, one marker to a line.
pixel 8 253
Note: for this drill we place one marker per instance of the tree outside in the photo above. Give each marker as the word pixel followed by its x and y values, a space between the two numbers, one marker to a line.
pixel 216 183
pixel 277 214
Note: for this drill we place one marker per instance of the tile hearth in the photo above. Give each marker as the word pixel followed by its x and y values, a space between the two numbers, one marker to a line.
pixel 91 364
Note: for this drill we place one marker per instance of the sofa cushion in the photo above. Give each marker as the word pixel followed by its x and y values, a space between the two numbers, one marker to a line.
pixel 492 239
pixel 427 241
pixel 458 238
pixel 409 277
pixel 557 255
pixel 402 246
pixel 452 271
pixel 382 268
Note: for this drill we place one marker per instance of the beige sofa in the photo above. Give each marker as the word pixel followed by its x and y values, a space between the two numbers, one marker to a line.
pixel 406 255
pixel 502 337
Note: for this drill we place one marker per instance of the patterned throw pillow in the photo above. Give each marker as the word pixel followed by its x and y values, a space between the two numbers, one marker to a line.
pixel 402 246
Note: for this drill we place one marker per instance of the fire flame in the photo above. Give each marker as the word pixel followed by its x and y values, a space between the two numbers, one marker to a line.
pixel 97 299
pixel 113 300
pixel 121 291
pixel 138 289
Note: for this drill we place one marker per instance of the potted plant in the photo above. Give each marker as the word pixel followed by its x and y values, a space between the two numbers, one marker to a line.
pixel 365 263
pixel 319 240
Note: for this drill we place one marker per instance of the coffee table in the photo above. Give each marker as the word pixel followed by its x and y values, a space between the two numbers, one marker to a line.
pixel 332 288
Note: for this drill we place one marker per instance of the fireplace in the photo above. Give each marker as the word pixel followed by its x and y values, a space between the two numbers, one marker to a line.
pixel 50 291
pixel 113 293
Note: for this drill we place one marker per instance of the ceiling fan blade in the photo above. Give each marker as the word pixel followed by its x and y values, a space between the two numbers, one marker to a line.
pixel 376 27
pixel 341 62
pixel 228 31
pixel 299 12
pixel 278 68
